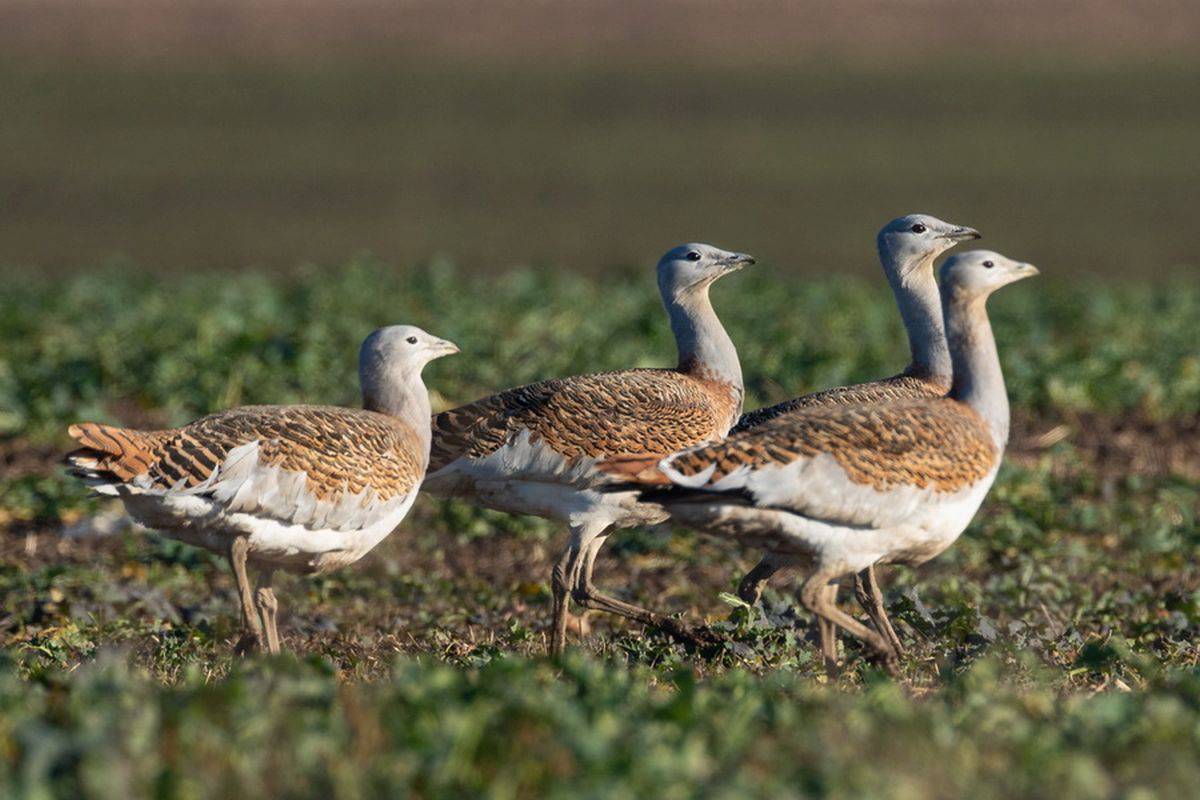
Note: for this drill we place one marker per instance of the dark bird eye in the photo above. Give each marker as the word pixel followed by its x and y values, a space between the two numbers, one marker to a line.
pixel 989 264
pixel 693 256
pixel 917 228
pixel 411 340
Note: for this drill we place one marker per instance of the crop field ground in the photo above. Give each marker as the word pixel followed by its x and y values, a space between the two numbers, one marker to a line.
pixel 177 238
pixel 1052 651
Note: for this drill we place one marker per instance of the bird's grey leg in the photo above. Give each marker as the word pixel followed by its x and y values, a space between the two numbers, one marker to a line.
pixel 239 550
pixel 750 588
pixel 870 597
pixel 828 634
pixel 268 609
pixel 815 597
pixel 588 596
pixel 560 588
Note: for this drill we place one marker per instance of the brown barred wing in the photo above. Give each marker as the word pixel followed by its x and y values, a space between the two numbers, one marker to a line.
pixel 940 445
pixel 285 462
pixel 633 411
pixel 897 388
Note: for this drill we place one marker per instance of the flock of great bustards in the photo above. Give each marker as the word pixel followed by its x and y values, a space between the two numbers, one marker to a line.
pixel 833 483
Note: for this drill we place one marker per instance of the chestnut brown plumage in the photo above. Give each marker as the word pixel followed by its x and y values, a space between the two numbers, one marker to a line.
pixel 907 248
pixel 304 488
pixel 841 488
pixel 532 449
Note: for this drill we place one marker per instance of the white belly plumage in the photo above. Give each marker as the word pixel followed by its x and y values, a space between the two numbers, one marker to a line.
pixel 923 533
pixel 526 477
pixel 199 521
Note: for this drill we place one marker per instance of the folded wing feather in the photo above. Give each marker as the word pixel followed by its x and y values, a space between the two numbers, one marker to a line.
pixel 856 465
pixel 584 418
pixel 316 466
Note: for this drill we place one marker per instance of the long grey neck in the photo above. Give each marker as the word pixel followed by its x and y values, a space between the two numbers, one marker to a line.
pixel 978 381
pixel 920 306
pixel 401 394
pixel 703 344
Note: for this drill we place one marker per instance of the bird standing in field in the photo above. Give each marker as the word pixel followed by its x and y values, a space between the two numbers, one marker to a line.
pixel 302 488
pixel 532 450
pixel 841 488
pixel 907 248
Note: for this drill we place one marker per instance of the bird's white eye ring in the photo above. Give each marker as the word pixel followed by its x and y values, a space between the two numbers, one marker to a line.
pixel 411 340
pixel 693 256
pixel 989 264
pixel 917 228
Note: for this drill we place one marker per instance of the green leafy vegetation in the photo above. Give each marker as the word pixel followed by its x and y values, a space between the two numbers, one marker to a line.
pixel 120 346
pixel 1052 651
pixel 517 728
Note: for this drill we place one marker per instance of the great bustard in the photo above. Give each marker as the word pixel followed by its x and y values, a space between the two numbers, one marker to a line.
pixel 302 488
pixel 839 489
pixel 531 450
pixel 907 248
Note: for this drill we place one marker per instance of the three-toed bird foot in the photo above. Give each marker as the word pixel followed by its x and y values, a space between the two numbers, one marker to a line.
pixel 247 644
pixel 887 660
pixel 696 637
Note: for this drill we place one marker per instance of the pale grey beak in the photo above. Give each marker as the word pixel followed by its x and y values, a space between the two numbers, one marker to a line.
pixel 737 260
pixel 962 234
pixel 1019 272
pixel 443 347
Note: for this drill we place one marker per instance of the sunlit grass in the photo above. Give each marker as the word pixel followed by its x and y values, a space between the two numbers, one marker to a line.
pixel 1052 650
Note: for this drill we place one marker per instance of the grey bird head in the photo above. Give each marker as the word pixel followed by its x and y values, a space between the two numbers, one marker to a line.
pixel 400 349
pixel 695 266
pixel 914 239
pixel 978 273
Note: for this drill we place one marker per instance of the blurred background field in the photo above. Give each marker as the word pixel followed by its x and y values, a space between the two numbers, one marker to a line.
pixel 586 135
pixel 210 203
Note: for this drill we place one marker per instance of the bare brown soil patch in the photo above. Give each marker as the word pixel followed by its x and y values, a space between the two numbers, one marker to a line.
pixel 1114 445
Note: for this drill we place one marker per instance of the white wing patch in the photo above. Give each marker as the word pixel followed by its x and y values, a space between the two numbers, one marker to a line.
pixel 528 477
pixel 687 481
pixel 926 530
pixel 201 521
pixel 521 459
pixel 242 484
pixel 819 488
